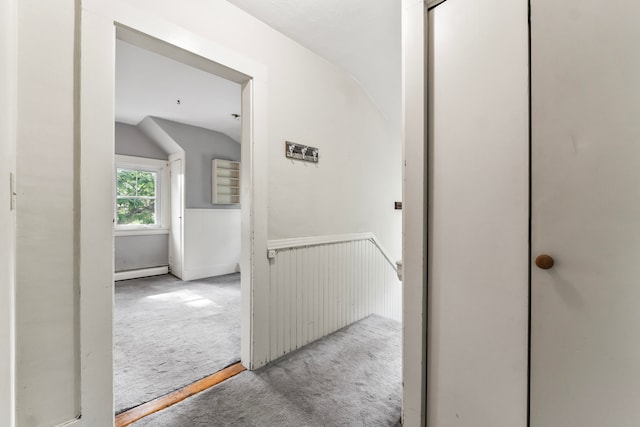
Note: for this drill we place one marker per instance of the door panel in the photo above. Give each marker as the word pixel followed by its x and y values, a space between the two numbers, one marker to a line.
pixel 478 214
pixel 585 325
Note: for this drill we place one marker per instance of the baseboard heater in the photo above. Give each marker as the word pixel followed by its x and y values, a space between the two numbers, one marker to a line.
pixel 143 272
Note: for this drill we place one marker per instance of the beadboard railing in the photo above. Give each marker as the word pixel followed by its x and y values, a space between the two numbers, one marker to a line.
pixel 321 284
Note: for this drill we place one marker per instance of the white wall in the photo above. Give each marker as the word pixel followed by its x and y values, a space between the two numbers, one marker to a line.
pixel 64 353
pixel 211 242
pixel 353 187
pixel 8 80
pixel 46 273
pixel 310 101
pixel 478 214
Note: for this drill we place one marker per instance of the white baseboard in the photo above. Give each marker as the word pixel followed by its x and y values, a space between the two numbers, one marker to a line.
pixel 210 271
pixel 144 272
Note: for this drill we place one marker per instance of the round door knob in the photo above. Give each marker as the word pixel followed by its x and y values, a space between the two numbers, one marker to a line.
pixel 544 262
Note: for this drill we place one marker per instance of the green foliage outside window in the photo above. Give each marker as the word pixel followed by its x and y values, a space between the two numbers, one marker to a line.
pixel 136 197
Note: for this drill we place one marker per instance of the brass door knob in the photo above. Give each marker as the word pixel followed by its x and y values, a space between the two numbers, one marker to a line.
pixel 544 262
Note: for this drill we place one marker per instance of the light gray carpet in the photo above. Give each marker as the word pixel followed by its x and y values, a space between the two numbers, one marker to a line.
pixel 169 333
pixel 349 378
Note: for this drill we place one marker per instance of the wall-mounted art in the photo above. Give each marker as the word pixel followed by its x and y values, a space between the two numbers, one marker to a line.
pixel 297 151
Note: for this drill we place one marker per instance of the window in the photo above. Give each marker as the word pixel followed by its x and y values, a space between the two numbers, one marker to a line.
pixel 141 198
pixel 136 194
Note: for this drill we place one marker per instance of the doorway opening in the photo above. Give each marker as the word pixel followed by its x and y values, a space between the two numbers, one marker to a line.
pixel 178 238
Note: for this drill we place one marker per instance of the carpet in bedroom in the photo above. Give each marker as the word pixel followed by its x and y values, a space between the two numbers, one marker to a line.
pixel 169 333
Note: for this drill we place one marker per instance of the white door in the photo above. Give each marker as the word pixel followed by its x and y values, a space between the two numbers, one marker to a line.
pixel 585 321
pixel 478 214
pixel 175 237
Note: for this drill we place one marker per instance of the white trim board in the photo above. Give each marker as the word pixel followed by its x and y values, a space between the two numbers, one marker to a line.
pixel 141 232
pixel 143 272
pixel 8 85
pixel 414 220
pixel 301 242
pixel 434 3
pixel 140 161
pixel 210 271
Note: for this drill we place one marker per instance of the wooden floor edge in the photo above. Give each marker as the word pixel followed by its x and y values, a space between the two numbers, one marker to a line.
pixel 134 414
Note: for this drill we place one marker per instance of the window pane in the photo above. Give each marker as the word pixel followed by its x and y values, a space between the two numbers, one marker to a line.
pixel 136 211
pixel 126 182
pixel 136 183
pixel 146 184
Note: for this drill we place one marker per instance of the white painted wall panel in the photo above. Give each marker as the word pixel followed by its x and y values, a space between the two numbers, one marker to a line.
pixel 478 225
pixel 211 242
pixel 46 277
pixel 318 289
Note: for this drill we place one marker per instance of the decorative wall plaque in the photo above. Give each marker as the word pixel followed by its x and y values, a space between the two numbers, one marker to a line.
pixel 297 151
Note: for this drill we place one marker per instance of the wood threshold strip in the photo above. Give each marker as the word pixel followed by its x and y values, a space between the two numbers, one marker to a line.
pixel 134 414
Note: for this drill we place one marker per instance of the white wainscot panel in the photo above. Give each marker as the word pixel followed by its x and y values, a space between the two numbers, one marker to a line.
pixel 211 242
pixel 320 285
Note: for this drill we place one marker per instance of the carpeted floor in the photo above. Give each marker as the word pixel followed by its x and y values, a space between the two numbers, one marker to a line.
pixel 169 333
pixel 349 378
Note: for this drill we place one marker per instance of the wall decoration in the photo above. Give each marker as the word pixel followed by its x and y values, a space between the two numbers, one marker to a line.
pixel 301 152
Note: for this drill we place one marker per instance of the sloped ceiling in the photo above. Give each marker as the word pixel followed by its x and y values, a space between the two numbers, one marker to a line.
pixel 363 37
pixel 148 84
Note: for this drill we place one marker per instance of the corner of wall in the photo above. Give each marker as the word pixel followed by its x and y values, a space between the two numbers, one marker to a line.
pixel 152 129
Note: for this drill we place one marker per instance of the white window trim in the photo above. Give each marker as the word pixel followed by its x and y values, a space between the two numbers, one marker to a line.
pixel 162 195
pixel 140 231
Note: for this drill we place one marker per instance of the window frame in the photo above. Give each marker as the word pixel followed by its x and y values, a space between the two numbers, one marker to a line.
pixel 162 198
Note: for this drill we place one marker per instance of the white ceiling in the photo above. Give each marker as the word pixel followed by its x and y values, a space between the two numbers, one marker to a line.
pixel 148 84
pixel 361 36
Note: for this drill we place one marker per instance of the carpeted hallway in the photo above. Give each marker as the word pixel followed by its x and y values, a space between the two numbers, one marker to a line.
pixel 349 378
pixel 169 333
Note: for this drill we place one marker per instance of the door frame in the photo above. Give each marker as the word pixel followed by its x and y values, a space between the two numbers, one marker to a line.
pixel 414 212
pixel 8 82
pixel 176 260
pixel 100 24
pixel 416 190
